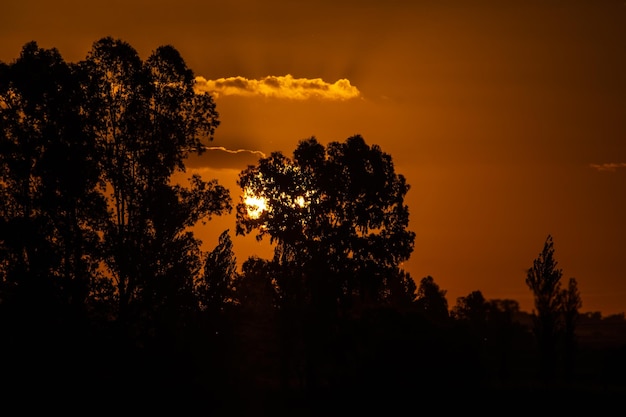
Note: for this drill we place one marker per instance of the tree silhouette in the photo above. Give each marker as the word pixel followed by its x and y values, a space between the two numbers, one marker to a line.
pixel 51 216
pixel 215 288
pixel 256 328
pixel 400 291
pixel 544 280
pixel 338 218
pixel 50 213
pixel 571 303
pixel 147 118
pixel 506 337
pixel 89 213
pixel 431 300
pixel 494 329
pixel 472 308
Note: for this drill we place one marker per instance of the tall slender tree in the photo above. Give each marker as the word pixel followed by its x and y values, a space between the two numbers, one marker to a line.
pixel 544 280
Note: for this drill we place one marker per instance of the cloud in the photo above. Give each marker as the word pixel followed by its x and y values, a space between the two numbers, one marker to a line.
pixel 234 151
pixel 219 157
pixel 284 86
pixel 611 167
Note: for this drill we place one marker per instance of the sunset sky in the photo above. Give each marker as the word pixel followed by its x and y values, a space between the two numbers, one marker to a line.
pixel 507 118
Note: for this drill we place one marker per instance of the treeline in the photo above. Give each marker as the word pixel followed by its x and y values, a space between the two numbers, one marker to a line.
pixel 106 295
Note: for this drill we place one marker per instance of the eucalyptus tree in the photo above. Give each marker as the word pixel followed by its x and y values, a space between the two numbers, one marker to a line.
pixel 52 208
pixel 147 118
pixel 337 217
pixel 339 221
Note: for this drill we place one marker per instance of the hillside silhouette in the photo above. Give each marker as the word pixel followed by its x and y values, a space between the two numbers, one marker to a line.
pixel 107 299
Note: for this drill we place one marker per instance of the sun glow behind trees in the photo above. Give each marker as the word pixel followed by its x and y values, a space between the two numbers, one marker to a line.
pixel 255 204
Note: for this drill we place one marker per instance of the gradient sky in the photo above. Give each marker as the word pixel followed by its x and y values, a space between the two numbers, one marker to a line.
pixel 507 118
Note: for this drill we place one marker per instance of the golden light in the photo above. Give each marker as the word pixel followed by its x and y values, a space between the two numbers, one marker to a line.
pixel 254 204
pixel 300 202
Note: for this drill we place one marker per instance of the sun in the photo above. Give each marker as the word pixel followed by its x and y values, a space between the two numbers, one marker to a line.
pixel 254 204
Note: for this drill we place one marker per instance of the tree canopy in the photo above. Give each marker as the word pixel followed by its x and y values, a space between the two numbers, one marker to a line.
pixel 88 152
pixel 337 216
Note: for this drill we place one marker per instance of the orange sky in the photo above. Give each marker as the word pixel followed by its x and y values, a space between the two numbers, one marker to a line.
pixel 499 114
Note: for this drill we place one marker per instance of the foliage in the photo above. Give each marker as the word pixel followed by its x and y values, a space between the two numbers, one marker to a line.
pixel 147 118
pixel 571 303
pixel 431 300
pixel 473 308
pixel 556 309
pixel 544 280
pixel 52 210
pixel 338 218
pixel 215 288
pixel 87 155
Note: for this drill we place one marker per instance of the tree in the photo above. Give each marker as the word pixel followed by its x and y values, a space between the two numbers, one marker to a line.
pixel 472 308
pixel 52 206
pixel 506 335
pixel 544 280
pixel 215 288
pixel 571 305
pixel 400 291
pixel 431 300
pixel 256 326
pixel 337 217
pixel 51 216
pixel 87 156
pixel 147 118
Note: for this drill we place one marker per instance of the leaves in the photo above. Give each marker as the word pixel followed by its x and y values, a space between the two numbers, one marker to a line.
pixel 337 210
pixel 88 152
